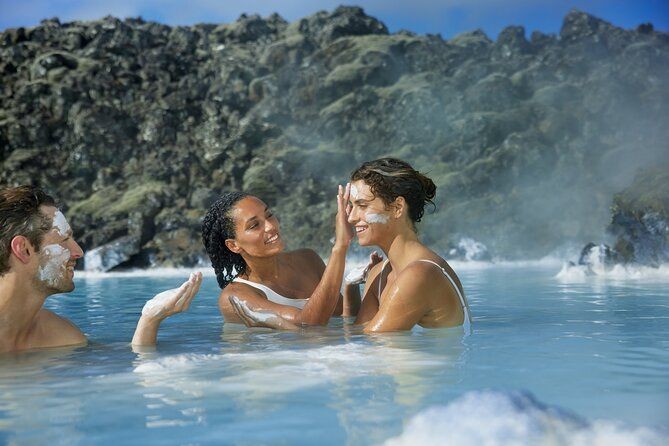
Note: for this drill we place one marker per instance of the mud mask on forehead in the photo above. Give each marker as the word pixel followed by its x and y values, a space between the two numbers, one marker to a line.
pixel 60 224
pixel 354 192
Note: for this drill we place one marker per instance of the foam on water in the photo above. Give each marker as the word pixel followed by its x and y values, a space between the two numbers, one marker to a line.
pixel 494 418
pixel 259 372
pixel 352 263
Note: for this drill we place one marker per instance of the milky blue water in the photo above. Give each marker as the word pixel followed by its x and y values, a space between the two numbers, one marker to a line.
pixel 572 362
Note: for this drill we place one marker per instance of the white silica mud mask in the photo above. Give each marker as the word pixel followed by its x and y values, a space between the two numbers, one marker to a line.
pixel 354 192
pixel 54 267
pixel 356 275
pixel 376 218
pixel 60 224
pixel 258 316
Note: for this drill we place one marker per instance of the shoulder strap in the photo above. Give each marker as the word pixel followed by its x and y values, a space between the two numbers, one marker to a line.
pixel 465 309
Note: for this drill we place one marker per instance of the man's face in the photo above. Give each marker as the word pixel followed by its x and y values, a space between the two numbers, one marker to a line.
pixel 58 254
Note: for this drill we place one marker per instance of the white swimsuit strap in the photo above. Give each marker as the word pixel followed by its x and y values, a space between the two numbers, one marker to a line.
pixel 272 295
pixel 467 322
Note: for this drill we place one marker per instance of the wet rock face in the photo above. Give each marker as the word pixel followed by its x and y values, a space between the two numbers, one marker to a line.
pixel 136 126
pixel 111 255
pixel 640 220
pixel 593 255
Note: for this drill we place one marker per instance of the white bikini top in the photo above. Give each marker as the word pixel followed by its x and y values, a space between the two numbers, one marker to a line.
pixel 467 323
pixel 272 295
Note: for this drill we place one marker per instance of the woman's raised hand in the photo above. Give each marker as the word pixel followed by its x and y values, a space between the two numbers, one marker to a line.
pixel 344 232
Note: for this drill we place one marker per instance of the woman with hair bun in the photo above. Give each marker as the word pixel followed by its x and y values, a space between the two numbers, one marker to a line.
pixel 242 238
pixel 414 286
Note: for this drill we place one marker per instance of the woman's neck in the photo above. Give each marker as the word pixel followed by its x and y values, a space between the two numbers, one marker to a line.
pixel 403 249
pixel 262 269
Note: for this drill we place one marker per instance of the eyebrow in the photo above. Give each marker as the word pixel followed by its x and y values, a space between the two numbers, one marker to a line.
pixel 254 217
pixel 362 200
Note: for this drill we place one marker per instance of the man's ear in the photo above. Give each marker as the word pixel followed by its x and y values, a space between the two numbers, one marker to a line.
pixel 22 249
pixel 231 244
pixel 399 207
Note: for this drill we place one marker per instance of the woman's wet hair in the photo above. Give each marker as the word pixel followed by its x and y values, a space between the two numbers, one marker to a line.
pixel 218 226
pixel 389 178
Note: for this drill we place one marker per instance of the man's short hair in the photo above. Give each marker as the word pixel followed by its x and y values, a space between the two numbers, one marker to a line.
pixel 20 215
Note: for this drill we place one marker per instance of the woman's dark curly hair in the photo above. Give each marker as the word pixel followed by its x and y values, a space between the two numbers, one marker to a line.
pixel 218 226
pixel 390 178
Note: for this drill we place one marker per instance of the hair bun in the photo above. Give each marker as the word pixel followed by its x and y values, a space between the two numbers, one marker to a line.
pixel 429 188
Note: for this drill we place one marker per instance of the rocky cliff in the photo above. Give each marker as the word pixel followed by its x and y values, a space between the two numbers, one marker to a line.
pixel 136 126
pixel 640 221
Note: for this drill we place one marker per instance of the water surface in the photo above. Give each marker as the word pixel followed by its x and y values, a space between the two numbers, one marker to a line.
pixel 570 361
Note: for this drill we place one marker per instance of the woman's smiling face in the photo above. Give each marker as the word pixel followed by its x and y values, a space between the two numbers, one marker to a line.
pixel 369 214
pixel 256 228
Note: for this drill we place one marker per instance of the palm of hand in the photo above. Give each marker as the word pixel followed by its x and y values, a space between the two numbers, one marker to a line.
pixel 173 301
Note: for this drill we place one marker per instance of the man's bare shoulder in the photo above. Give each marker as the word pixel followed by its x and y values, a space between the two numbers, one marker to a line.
pixel 54 331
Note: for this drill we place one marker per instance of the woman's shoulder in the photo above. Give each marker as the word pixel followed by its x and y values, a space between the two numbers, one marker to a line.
pixel 426 273
pixel 424 265
pixel 304 258
pixel 303 254
pixel 239 289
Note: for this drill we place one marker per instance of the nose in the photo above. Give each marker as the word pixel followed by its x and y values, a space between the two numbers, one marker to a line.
pixel 75 250
pixel 271 224
pixel 353 215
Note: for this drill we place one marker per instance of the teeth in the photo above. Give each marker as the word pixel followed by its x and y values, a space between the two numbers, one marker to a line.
pixel 272 239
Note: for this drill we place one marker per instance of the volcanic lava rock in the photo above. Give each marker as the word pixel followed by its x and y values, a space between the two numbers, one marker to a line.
pixel 640 220
pixel 137 126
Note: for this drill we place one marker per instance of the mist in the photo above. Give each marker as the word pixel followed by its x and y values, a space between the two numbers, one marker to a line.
pixel 137 127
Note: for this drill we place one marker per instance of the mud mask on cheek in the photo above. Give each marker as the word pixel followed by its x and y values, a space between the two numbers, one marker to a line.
pixel 55 260
pixel 376 218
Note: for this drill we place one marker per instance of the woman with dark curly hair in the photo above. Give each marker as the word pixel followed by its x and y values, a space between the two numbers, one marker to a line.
pixel 243 241
pixel 414 286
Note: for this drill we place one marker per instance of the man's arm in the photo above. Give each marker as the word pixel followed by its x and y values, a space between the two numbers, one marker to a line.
pixel 162 306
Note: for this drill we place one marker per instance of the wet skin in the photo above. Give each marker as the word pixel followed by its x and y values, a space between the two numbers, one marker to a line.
pixel 36 274
pixel 297 274
pixel 412 292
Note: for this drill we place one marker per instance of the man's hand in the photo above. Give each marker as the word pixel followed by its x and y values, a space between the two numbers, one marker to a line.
pixel 176 300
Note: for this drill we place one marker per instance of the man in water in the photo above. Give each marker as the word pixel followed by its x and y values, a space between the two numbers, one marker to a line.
pixel 37 258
